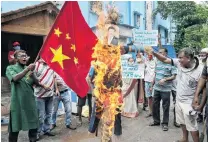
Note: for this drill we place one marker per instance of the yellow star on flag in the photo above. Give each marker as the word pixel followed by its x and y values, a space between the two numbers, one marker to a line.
pixel 75 60
pixel 67 36
pixel 57 32
pixel 73 47
pixel 59 56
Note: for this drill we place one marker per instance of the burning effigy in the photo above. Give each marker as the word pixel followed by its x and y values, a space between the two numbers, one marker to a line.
pixel 107 66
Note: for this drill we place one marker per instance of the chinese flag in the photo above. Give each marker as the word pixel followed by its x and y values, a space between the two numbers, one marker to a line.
pixel 69 46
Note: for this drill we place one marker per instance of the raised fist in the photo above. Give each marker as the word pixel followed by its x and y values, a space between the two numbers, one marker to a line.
pixel 148 50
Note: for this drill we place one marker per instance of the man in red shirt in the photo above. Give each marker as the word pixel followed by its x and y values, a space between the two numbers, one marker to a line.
pixel 16 46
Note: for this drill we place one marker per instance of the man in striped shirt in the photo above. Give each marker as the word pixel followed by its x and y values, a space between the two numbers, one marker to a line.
pixel 63 95
pixel 164 74
pixel 44 96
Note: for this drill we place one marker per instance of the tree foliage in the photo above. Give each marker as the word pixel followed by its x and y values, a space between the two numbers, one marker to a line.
pixel 191 22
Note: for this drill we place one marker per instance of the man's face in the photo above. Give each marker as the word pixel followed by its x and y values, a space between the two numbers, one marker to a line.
pixel 138 55
pixel 111 32
pixel 184 61
pixel 22 58
pixel 131 61
pixel 122 50
pixel 162 51
pixel 203 56
pixel 150 57
pixel 17 47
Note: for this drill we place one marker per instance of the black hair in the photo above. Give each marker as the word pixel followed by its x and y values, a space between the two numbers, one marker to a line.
pixel 131 43
pixel 17 52
pixel 130 58
pixel 111 27
pixel 188 52
pixel 165 49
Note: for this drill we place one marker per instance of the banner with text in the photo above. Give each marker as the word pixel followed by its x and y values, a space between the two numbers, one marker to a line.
pixel 130 68
pixel 145 37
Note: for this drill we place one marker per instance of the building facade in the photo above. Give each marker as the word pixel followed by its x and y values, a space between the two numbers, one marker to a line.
pixel 133 14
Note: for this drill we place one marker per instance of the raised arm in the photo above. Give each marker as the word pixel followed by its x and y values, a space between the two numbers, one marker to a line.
pixel 162 58
pixel 20 75
pixel 11 74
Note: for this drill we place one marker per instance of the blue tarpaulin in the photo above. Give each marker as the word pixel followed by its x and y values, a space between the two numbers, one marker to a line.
pixel 170 48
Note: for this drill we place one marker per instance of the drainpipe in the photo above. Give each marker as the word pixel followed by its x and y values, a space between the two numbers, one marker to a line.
pixel 129 3
pixel 145 15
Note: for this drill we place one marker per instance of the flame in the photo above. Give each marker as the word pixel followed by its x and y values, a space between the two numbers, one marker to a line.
pixel 107 80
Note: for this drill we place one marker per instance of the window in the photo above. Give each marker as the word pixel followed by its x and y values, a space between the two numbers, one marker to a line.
pixel 121 19
pixel 137 19
pixel 158 29
pixel 159 35
pixel 166 36
pixel 96 6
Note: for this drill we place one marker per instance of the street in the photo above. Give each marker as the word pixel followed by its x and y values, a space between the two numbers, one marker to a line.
pixel 134 130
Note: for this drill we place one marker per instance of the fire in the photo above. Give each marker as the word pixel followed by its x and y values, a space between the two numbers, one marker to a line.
pixel 107 80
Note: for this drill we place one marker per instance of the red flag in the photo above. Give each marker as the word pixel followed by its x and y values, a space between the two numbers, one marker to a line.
pixel 68 47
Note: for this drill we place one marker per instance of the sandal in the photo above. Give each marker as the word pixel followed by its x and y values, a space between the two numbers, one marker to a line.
pixel 180 141
pixel 149 115
pixel 144 108
pixel 79 123
pixel 165 128
pixel 53 126
pixel 154 124
pixel 177 125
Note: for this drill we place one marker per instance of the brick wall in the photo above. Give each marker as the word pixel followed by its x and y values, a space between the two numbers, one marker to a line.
pixel 5 86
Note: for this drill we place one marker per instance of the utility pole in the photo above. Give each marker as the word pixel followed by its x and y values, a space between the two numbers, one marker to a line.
pixel 149 15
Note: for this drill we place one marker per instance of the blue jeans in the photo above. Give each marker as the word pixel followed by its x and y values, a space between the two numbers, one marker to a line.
pixel 66 99
pixel 44 106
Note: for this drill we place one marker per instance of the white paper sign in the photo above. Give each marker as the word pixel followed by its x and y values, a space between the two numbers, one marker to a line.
pixel 145 37
pixel 131 69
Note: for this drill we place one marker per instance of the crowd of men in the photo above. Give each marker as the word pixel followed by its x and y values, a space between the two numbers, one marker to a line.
pixel 36 91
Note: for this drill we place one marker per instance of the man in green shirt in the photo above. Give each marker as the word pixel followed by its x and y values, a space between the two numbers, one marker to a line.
pixel 23 111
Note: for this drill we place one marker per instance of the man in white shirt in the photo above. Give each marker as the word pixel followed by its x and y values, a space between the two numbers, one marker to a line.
pixel 189 72
pixel 149 75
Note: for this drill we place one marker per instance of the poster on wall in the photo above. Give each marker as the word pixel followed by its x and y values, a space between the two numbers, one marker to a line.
pixel 131 68
pixel 145 37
